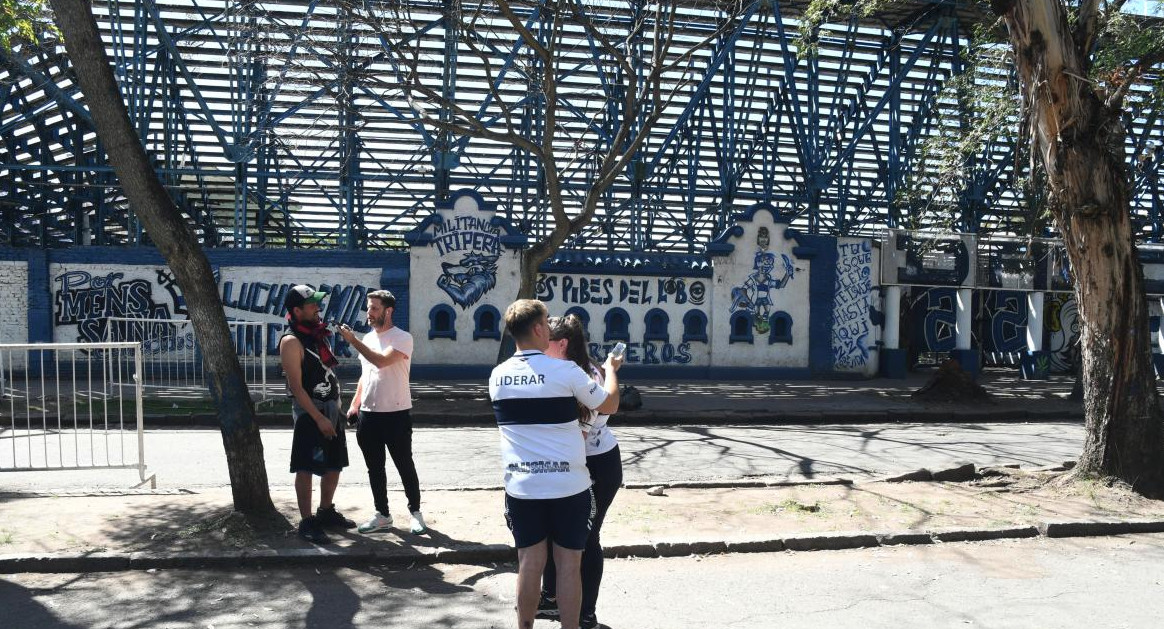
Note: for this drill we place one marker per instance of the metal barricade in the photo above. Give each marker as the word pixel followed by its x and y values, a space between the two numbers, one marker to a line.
pixel 66 406
pixel 173 357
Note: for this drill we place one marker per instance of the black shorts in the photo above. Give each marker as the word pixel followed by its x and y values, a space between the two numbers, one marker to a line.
pixel 312 452
pixel 564 521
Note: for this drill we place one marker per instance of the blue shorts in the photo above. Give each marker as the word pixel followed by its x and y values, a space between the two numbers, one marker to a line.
pixel 564 521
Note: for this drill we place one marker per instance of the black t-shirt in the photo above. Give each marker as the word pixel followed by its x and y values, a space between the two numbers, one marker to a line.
pixel 317 379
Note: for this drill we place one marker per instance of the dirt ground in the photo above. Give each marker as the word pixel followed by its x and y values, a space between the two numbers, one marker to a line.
pixel 202 522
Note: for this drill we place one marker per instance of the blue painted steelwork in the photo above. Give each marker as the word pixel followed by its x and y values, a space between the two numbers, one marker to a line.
pixel 281 125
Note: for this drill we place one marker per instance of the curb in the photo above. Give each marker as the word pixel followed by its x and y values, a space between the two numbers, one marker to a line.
pixel 502 553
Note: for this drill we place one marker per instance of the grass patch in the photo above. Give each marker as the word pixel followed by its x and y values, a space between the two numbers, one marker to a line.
pixel 227 527
pixel 786 506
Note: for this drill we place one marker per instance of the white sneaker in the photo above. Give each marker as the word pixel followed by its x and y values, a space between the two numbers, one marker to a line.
pixel 379 522
pixel 418 526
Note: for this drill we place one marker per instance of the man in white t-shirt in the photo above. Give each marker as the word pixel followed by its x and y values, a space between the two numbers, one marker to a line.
pixel 547 486
pixel 382 402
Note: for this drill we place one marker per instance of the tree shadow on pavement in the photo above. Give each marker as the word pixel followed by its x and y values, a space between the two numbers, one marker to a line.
pixel 333 603
pixel 20 605
pixel 750 455
pixel 154 523
pixel 812 451
pixel 396 539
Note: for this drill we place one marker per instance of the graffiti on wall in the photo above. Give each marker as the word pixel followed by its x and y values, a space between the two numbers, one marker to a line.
pixel 852 326
pixel 755 294
pixel 606 291
pixel 1062 331
pixel 343 304
pixel 1003 332
pixel 1001 326
pixel 646 353
pixel 597 294
pixel 937 312
pixel 87 301
pixel 468 247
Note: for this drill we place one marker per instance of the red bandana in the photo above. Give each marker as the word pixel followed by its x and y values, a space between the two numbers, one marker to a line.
pixel 319 332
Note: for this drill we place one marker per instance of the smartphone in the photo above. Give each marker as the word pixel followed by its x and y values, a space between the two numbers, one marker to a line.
pixel 618 350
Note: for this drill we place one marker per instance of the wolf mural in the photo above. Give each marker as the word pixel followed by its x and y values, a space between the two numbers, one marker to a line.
pixel 468 280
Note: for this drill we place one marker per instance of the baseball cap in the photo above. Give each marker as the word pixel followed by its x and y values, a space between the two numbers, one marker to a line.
pixel 302 294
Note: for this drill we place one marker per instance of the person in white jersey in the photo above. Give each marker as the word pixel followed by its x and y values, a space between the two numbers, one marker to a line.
pixel 381 403
pixel 547 486
pixel 603 459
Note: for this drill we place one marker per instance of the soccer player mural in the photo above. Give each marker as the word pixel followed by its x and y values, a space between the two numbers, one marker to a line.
pixel 754 295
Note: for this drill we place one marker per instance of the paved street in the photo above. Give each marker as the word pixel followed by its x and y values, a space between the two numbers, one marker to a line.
pixel 460 457
pixel 1111 582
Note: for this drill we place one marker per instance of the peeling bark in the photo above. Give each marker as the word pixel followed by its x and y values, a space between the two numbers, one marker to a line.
pixel 1080 141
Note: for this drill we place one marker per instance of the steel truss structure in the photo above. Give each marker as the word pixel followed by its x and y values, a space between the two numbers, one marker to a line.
pixel 278 124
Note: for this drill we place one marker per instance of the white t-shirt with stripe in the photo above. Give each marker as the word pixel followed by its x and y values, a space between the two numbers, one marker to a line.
pixel 535 400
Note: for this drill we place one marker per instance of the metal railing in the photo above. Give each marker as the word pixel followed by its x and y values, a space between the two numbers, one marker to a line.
pixel 173 358
pixel 65 406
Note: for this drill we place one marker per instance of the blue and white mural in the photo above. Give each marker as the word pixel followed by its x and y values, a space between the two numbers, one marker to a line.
pixel 755 294
pixel 468 279
pixel 1062 326
pixel 760 297
pixel 462 274
pixel 91 300
pixel 853 331
pixel 652 315
pixel 1002 334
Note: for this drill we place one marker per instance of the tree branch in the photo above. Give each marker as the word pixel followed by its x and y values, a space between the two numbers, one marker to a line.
pixel 1133 74
pixel 1086 26
pixel 523 32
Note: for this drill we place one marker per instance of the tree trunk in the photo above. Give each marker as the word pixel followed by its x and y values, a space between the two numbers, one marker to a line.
pixel 173 237
pixel 526 289
pixel 1081 143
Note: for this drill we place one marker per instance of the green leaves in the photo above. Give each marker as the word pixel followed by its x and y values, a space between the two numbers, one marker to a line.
pixel 21 21
pixel 820 12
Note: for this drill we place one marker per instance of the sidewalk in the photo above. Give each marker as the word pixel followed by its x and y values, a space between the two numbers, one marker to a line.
pixel 191 526
pixel 191 529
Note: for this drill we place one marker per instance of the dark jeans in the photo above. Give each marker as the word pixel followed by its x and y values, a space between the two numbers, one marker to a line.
pixel 394 431
pixel 606 474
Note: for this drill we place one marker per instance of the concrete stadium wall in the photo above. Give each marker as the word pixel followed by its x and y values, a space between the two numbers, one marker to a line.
pixel 14 300
pixel 764 301
pixel 79 289
pixel 657 310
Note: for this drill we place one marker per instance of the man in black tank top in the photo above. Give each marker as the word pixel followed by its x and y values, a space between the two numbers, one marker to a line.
pixel 318 446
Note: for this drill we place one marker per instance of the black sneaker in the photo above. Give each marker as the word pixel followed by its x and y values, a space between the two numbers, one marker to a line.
pixel 310 530
pixel 330 518
pixel 547 608
pixel 590 621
